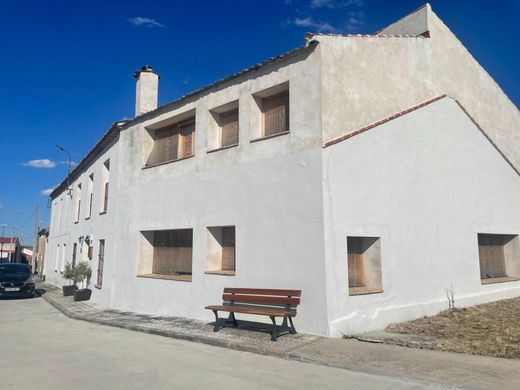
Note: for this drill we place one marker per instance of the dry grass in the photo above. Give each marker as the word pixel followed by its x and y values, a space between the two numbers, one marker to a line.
pixel 489 329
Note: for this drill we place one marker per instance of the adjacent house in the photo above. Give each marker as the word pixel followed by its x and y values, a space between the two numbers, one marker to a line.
pixel 10 250
pixel 373 172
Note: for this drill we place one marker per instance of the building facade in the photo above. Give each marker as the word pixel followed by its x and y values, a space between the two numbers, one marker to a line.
pixel 373 172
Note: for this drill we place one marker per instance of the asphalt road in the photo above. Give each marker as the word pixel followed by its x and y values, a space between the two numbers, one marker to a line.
pixel 42 349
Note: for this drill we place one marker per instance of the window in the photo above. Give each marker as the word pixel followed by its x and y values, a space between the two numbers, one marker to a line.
pixel 74 254
pixel 101 263
pixel 167 254
pixel 105 176
pixel 57 262
pixel 221 250
pixel 63 254
pixel 499 257
pixel 90 195
pixel 78 203
pixel 364 265
pixel 173 143
pixel 228 122
pixel 275 114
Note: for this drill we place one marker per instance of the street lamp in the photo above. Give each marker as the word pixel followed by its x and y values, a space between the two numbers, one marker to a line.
pixel 69 190
pixel 2 241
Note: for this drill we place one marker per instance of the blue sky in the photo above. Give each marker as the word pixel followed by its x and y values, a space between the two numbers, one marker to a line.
pixel 67 66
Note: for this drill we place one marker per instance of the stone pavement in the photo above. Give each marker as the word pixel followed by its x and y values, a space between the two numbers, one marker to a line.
pixel 452 370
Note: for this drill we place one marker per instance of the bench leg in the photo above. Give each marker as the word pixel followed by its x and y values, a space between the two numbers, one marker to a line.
pixel 233 319
pixel 216 328
pixel 292 329
pixel 273 335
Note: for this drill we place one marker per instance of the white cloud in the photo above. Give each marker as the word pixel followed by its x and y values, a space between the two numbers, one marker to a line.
pixel 43 163
pixel 335 3
pixel 317 25
pixel 72 163
pixel 47 191
pixel 146 22
pixel 2 207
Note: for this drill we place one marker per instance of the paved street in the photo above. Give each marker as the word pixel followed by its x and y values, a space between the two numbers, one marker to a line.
pixel 43 349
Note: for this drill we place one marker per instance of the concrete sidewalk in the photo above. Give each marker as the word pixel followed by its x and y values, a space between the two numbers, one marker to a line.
pixel 445 368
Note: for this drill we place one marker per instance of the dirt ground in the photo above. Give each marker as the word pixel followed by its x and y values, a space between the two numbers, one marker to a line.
pixel 490 329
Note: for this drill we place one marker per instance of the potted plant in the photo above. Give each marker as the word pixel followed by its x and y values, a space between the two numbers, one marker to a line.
pixel 70 274
pixel 83 274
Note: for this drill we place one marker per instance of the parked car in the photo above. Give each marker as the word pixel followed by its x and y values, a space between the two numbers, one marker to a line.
pixel 16 280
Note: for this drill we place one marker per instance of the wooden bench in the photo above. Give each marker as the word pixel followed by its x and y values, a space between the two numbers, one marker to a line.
pixel 262 302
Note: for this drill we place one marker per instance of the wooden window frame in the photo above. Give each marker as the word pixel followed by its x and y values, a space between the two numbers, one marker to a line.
pixel 364 268
pixel 101 263
pixel 177 130
pixel 265 101
pixel 499 257
pixel 169 250
pixel 222 128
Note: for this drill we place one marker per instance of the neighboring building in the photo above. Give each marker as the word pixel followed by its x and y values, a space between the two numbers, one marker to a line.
pixel 373 172
pixel 43 236
pixel 10 250
pixel 27 255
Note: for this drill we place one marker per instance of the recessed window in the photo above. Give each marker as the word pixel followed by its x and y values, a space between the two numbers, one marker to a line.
pixel 167 253
pixel 78 203
pixel 173 142
pixel 223 127
pixel 275 114
pixel 228 122
pixel 105 175
pixel 499 257
pixel 364 265
pixel 90 195
pixel 221 250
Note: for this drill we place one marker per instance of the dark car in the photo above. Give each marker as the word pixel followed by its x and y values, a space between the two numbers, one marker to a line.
pixel 16 280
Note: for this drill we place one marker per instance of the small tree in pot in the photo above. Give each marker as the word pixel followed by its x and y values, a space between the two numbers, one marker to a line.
pixel 70 274
pixel 83 274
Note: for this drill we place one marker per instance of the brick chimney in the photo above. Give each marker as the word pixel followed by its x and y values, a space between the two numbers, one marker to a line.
pixel 146 90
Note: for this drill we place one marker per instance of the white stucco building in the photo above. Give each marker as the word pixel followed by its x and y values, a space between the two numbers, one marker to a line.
pixel 373 172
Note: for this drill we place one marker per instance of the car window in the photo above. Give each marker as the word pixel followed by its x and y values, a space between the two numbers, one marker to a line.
pixel 14 269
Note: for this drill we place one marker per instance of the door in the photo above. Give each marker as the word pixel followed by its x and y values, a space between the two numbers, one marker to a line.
pixel 101 261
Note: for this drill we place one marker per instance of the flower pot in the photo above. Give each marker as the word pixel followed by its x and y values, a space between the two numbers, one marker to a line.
pixel 69 290
pixel 82 295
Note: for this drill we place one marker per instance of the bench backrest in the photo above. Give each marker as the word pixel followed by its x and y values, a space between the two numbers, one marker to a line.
pixel 288 299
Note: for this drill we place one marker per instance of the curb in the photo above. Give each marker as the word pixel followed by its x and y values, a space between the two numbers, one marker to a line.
pixel 402 340
pixel 171 334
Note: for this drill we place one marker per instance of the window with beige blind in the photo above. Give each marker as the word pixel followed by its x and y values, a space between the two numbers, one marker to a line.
pixel 105 169
pixel 364 265
pixel 172 143
pixel 90 195
pixel 172 252
pixel 275 114
pixel 499 257
pixel 228 122
pixel 221 250
pixel 78 203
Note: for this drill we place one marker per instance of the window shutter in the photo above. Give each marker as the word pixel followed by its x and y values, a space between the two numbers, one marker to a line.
pixel 491 256
pixel 105 200
pixel 187 133
pixel 90 205
pixel 275 111
pixel 228 249
pixel 173 252
pixel 229 128
pixel 356 269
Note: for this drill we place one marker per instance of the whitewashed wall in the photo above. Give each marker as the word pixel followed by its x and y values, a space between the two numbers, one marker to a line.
pixel 64 230
pixel 426 183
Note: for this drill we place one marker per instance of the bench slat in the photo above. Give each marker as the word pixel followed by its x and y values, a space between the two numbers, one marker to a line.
pixel 263 291
pixel 273 300
pixel 264 311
